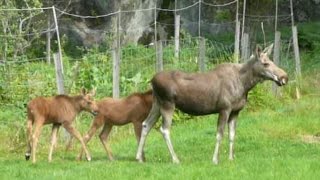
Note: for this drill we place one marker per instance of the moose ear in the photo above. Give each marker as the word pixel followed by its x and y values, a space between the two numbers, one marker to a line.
pixel 258 51
pixel 268 49
pixel 83 91
pixel 93 92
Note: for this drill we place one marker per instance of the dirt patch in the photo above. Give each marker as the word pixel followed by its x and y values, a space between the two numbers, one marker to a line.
pixel 311 139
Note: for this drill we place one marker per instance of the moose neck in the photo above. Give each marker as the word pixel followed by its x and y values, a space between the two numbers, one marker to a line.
pixel 248 76
pixel 76 103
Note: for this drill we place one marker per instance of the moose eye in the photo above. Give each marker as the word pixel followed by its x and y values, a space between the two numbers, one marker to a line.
pixel 266 65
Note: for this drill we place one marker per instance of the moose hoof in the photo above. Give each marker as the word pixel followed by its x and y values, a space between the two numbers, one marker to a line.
pixel 27 156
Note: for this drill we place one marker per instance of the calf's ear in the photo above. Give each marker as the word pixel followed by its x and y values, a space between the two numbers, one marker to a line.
pixel 93 91
pixel 268 49
pixel 83 91
pixel 258 51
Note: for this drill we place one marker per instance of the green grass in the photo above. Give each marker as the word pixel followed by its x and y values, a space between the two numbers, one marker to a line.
pixel 269 145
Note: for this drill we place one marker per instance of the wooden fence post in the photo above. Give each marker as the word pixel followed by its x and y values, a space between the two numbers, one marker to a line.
pixel 276 58
pixel 57 32
pixel 237 42
pixel 59 73
pixel 48 43
pixel 297 59
pixel 176 35
pixel 60 85
pixel 202 54
pixel 115 73
pixel 159 53
pixel 245 47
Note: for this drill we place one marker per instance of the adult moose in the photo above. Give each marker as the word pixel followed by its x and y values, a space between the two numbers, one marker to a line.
pixel 117 112
pixel 57 110
pixel 223 90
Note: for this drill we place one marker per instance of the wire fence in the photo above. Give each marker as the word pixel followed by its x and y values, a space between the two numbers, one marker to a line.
pixel 26 67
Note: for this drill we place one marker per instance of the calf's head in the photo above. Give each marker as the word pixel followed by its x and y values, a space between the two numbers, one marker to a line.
pixel 87 102
pixel 266 69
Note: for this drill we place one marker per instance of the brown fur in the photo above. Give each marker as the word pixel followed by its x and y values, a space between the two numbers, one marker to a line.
pixel 117 112
pixel 58 110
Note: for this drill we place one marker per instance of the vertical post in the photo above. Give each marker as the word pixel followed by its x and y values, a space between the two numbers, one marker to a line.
pixel 276 58
pixel 243 17
pixel 59 73
pixel 115 74
pixel 264 35
pixel 116 58
pixel 296 52
pixel 291 10
pixel 58 36
pixel 60 85
pixel 237 42
pixel 155 25
pixel 159 66
pixel 276 18
pixel 176 35
pixel 119 32
pixel 202 50
pixel 199 20
pixel 155 33
pixel 237 35
pixel 48 45
pixel 297 59
pixel 245 47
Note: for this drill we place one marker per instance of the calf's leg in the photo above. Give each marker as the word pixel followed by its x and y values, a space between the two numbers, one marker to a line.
pixel 96 124
pixel 137 129
pixel 146 127
pixel 104 139
pixel 55 129
pixel 29 139
pixel 68 126
pixel 223 118
pixel 35 139
pixel 167 113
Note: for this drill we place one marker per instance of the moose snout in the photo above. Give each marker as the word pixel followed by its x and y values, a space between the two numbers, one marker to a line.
pixel 94 113
pixel 280 77
pixel 283 80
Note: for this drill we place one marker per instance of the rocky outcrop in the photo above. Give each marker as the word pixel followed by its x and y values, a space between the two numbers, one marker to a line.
pixel 138 26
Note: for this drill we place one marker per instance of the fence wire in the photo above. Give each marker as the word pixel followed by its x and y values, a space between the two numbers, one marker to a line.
pixel 26 73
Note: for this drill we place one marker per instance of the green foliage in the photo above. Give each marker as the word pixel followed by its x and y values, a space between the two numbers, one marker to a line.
pixel 223 15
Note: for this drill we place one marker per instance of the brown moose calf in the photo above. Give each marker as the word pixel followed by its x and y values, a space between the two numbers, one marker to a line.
pixel 117 112
pixel 57 110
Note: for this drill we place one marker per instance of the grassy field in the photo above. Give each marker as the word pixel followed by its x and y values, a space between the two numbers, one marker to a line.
pixel 270 144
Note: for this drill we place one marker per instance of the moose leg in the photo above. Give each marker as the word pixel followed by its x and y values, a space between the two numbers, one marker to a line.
pixel 86 138
pixel 223 117
pixel 137 130
pixel 55 128
pixel 167 114
pixel 232 133
pixel 69 143
pixel 146 127
pixel 29 140
pixel 68 126
pixel 35 139
pixel 104 139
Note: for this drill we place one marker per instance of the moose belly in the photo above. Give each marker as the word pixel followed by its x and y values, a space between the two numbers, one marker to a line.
pixel 196 107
